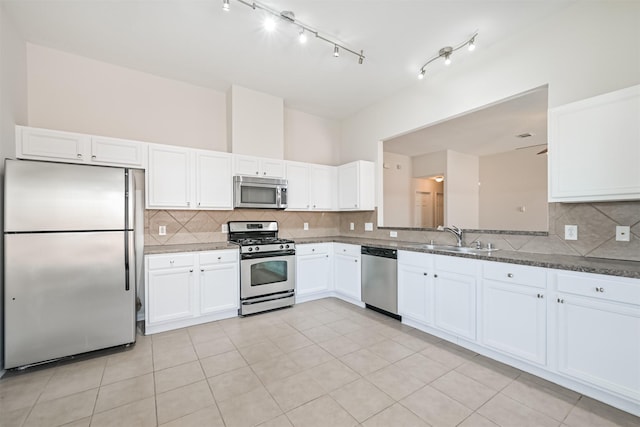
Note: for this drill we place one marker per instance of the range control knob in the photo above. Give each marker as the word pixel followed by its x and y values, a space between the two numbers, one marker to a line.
pixel 287 246
pixel 281 246
pixel 250 249
pixel 257 248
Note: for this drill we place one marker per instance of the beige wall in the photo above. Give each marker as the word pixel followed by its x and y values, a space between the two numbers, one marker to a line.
pixel 310 138
pixel 429 164
pixel 461 194
pixel 398 190
pixel 510 181
pixel 70 92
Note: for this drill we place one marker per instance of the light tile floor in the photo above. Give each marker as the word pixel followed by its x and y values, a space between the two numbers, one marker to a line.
pixel 322 363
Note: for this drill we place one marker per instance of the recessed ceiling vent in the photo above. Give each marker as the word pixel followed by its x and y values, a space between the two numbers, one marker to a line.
pixel 524 135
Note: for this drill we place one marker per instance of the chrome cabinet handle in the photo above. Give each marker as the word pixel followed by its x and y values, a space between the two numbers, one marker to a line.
pixel 509 275
pixel 257 172
pixel 314 206
pixel 435 275
pixel 355 260
pixel 191 270
pixel 540 296
pixel 599 289
pixel 202 270
pixel 327 256
pixel 264 173
pixel 188 203
pixel 171 262
pixel 313 250
pixel 93 157
pixel 79 155
pixel 560 300
pixel 219 257
pixel 424 274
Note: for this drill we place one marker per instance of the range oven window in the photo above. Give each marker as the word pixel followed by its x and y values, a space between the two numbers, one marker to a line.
pixel 268 272
pixel 260 195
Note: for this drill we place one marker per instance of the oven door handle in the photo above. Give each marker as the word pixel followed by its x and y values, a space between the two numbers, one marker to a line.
pixel 256 255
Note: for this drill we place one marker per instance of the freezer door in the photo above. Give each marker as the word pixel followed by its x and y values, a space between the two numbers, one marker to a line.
pixel 65 293
pixel 41 196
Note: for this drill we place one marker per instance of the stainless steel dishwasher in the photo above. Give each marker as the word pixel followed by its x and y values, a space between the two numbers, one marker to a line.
pixel 380 280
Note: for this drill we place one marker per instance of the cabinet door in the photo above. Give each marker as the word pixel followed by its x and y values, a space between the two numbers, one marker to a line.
pixel 312 273
pixel 51 145
pixel 297 186
pixel 214 181
pixel 246 165
pixel 272 168
pixel 219 287
pixel 169 177
pixel 414 293
pixel 322 187
pixel 599 343
pixel 594 148
pixel 171 295
pixel 514 320
pixel 455 303
pixel 348 188
pixel 347 276
pixel 116 152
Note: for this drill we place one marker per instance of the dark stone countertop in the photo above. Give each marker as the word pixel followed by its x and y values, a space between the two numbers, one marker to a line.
pixel 610 267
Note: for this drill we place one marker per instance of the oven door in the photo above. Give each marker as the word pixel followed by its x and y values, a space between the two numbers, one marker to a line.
pixel 266 275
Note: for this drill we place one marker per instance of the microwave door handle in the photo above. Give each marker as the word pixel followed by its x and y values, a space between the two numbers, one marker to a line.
pixel 278 196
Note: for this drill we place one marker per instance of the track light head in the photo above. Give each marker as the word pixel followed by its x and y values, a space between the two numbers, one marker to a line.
pixel 472 44
pixel 269 24
pixel 422 73
pixel 302 37
pixel 336 51
pixel 225 5
pixel 447 51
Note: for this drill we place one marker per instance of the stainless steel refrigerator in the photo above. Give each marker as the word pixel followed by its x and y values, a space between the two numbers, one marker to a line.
pixel 69 260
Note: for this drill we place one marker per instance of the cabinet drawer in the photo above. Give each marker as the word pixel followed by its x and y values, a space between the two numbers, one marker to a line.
pixel 455 264
pixel 417 259
pixel 513 273
pixel 312 249
pixel 218 257
pixel 603 287
pixel 170 261
pixel 346 249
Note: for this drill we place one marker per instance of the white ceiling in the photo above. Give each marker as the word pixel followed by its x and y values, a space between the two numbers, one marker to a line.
pixel 196 42
pixel 485 131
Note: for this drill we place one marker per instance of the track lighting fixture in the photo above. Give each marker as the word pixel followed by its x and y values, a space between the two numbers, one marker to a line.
pixel 290 17
pixel 446 53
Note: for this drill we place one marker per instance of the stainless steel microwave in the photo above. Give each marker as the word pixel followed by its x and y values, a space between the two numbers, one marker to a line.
pixel 261 193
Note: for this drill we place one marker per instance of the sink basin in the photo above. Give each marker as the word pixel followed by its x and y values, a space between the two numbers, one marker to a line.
pixel 455 249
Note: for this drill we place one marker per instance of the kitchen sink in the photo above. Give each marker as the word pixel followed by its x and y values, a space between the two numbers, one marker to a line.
pixel 455 249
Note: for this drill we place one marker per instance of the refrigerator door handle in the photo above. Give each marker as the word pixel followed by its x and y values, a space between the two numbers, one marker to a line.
pixel 129 200
pixel 129 260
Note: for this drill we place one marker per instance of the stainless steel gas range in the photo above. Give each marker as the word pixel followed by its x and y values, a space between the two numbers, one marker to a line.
pixel 267 266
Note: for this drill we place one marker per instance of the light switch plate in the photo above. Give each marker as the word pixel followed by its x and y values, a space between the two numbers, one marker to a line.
pixel 393 234
pixel 305 226
pixel 162 230
pixel 224 228
pixel 623 233
pixel 570 232
pixel 368 226
pixel 352 226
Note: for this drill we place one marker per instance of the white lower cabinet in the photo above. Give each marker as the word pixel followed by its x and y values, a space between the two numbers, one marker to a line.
pixel 454 289
pixel 514 313
pixel 598 331
pixel 415 286
pixel 189 288
pixel 347 271
pixel 313 271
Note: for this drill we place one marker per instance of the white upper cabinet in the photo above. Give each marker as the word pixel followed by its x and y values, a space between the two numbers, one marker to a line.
pixel 45 144
pixel 356 186
pixel 181 178
pixel 214 182
pixel 258 166
pixel 594 148
pixel 311 187
pixel 169 177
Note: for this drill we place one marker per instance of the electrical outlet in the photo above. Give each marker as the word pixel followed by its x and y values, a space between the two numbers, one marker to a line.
pixel 623 233
pixel 570 232
pixel 162 230
pixel 393 234
pixel 305 226
pixel 224 228
pixel 352 226
pixel 368 226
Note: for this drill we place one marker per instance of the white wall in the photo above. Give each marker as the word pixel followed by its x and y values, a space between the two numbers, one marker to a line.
pixel 509 181
pixel 257 123
pixel 461 194
pixel 311 139
pixel 398 190
pixel 429 164
pixel 70 92
pixel 13 110
pixel 588 49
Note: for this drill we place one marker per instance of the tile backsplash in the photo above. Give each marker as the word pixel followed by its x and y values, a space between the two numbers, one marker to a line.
pixel 596 228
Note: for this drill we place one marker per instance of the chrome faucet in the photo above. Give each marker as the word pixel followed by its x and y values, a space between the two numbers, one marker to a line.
pixel 456 231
